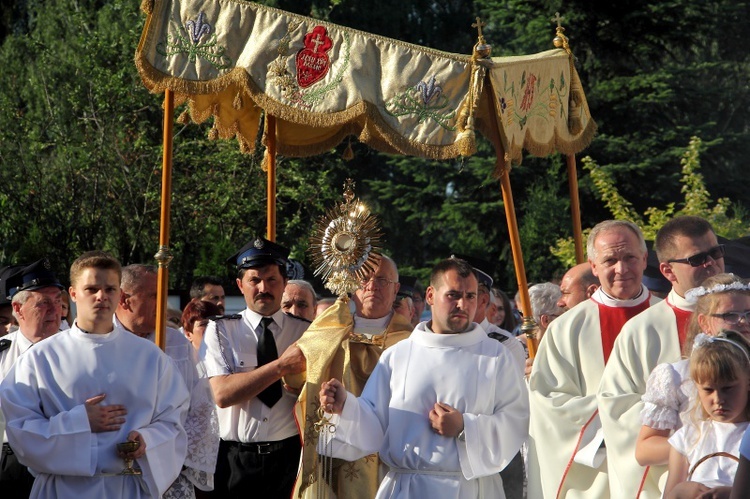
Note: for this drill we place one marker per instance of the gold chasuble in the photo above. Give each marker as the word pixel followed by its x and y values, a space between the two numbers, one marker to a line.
pixel 333 350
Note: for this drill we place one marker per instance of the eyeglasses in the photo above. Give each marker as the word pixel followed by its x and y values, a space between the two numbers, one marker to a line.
pixel 734 318
pixel 701 258
pixel 380 282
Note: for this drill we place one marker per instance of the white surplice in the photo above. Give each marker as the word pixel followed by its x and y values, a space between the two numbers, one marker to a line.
pixel 470 372
pixel 565 457
pixel 646 340
pixel 43 402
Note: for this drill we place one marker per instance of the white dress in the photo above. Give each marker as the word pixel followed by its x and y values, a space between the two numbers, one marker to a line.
pixel 43 402
pixel 470 372
pixel 705 438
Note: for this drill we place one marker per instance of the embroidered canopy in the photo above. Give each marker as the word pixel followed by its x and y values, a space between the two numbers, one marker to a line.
pixel 317 83
pixel 232 60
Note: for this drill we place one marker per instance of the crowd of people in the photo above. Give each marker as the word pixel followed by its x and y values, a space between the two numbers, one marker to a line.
pixel 398 390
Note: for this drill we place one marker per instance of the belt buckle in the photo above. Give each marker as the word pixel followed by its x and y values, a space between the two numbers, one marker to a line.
pixel 264 449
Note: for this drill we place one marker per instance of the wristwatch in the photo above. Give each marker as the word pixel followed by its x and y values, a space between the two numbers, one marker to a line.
pixel 462 436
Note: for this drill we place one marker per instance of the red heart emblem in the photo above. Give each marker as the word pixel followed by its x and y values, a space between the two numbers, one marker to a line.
pixel 312 61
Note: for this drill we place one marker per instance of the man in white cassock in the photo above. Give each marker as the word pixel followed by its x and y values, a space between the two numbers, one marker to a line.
pixel 136 312
pixel 649 339
pixel 73 397
pixel 566 457
pixel 446 408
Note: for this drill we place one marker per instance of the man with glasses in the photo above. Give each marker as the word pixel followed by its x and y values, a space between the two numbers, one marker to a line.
pixel 688 253
pixel 374 328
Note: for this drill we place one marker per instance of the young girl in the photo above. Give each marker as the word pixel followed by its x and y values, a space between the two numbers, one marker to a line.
pixel 705 451
pixel 718 302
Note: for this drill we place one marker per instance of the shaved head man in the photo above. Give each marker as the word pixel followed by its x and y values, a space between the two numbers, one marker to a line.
pixel 577 285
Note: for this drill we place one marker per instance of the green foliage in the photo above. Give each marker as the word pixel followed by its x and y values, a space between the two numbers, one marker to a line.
pixel 728 220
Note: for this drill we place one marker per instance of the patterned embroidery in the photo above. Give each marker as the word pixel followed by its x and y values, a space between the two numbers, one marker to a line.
pixel 312 66
pixel 312 61
pixel 210 50
pixel 425 100
pixel 542 102
pixel 351 470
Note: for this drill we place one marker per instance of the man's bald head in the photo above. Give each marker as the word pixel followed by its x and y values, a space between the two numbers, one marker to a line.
pixel 577 285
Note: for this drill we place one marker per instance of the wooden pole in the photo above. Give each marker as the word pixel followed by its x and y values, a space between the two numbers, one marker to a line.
pixel 164 256
pixel 528 327
pixel 271 177
pixel 575 206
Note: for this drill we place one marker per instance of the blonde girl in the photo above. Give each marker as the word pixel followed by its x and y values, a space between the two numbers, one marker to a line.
pixel 705 451
pixel 720 303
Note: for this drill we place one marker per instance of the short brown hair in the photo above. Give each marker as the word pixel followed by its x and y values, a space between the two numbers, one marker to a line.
pixel 462 267
pixel 94 259
pixel 686 226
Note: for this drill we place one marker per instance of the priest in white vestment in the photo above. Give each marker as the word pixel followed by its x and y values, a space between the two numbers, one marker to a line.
pixel 446 408
pixel 566 457
pixel 649 339
pixel 71 399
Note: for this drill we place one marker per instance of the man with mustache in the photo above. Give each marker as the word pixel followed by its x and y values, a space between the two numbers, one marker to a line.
pixel 247 355
pixel 34 296
pixel 446 408
pixel 688 253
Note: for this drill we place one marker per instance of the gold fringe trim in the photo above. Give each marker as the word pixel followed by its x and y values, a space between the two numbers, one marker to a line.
pixel 363 120
pixel 147 6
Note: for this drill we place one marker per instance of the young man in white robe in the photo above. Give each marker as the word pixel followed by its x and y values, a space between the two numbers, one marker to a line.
pixel 73 397
pixel 566 458
pixel 446 408
pixel 649 339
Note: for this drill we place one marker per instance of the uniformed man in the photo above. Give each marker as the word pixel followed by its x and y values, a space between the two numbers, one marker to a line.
pixel 34 292
pixel 7 321
pixel 247 355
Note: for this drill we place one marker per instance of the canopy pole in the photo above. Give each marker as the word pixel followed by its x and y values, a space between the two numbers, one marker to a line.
pixel 575 206
pixel 271 177
pixel 528 326
pixel 164 255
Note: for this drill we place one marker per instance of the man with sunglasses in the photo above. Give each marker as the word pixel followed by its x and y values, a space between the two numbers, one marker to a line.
pixel 688 253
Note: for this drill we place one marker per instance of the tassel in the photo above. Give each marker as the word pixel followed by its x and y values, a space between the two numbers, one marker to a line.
pixel 184 117
pixel 213 134
pixel 266 161
pixel 244 147
pixel 348 154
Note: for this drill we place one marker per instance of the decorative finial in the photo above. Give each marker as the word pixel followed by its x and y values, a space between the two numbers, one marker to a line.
pixel 560 40
pixel 482 49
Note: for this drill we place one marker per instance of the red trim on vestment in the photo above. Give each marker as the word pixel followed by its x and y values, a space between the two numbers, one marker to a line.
pixel 683 319
pixel 575 450
pixel 611 320
pixel 643 482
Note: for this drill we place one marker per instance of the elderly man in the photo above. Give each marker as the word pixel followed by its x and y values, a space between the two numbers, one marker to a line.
pixel 578 284
pixel 446 408
pixel 688 253
pixel 348 347
pixel 136 312
pixel 544 298
pixel 247 355
pixel 34 292
pixel 73 397
pixel 299 299
pixel 209 288
pixel 565 454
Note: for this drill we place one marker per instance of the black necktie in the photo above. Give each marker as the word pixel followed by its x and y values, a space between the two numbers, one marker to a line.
pixel 267 353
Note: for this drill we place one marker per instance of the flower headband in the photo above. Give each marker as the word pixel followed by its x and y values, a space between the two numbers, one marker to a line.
pixel 693 294
pixel 703 339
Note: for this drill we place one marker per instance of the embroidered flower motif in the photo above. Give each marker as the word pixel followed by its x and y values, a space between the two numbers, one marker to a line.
pixel 196 29
pixel 425 100
pixel 429 90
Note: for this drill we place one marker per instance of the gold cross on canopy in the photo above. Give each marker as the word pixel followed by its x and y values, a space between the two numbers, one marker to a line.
pixel 478 25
